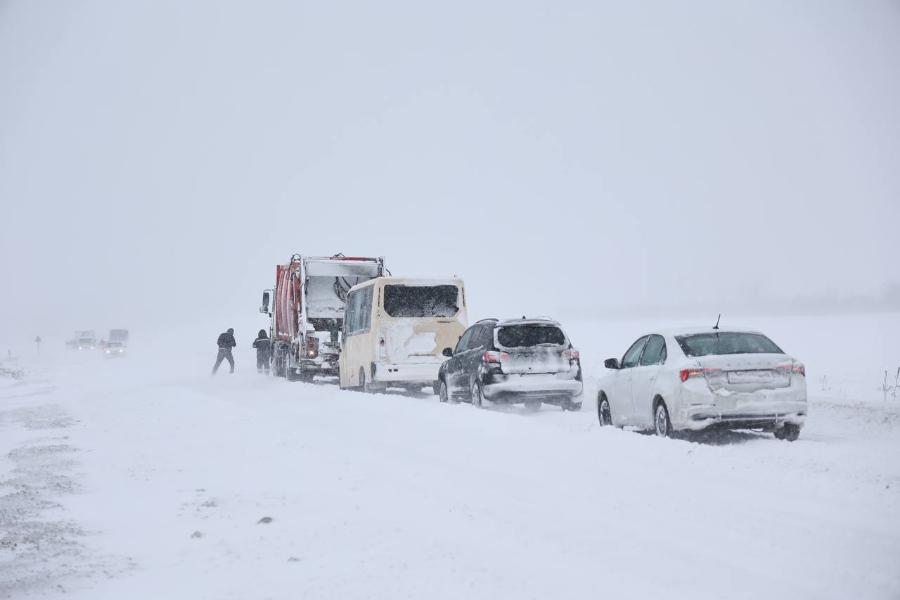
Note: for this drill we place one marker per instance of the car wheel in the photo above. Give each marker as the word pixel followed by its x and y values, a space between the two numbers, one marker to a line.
pixel 661 422
pixel 533 405
pixel 570 405
pixel 442 391
pixel 477 394
pixel 789 432
pixel 604 414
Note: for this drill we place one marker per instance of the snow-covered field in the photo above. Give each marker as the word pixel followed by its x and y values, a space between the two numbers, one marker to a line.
pixel 145 478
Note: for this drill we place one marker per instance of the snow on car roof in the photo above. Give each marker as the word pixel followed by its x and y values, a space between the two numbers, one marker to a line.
pixel 674 331
pixel 534 321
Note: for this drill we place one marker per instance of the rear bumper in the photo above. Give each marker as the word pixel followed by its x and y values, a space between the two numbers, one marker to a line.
pixel 415 373
pixel 748 414
pixel 745 421
pixel 760 410
pixel 522 388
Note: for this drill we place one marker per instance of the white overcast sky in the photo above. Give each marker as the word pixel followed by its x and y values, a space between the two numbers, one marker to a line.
pixel 157 158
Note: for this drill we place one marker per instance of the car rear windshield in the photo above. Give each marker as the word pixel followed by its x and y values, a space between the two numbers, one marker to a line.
pixel 727 342
pixel 523 336
pixel 421 301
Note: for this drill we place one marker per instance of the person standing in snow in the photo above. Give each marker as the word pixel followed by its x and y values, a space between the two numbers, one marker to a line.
pixel 263 346
pixel 226 343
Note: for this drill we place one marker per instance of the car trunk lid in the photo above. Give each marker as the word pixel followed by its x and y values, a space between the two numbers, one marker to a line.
pixel 531 347
pixel 746 372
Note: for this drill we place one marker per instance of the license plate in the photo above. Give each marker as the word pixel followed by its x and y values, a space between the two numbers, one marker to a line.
pixel 749 376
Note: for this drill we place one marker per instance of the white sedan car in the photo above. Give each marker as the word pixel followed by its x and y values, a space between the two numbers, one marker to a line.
pixel 693 379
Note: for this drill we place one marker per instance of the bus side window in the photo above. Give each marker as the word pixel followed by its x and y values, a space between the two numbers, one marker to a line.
pixel 353 313
pixel 365 310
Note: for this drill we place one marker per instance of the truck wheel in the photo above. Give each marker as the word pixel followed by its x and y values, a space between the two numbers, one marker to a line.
pixel 278 364
pixel 442 391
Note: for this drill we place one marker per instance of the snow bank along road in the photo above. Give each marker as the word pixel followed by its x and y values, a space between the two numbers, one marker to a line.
pixel 124 479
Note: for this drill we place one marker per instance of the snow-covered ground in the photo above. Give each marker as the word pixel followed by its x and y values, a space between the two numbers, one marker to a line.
pixel 145 478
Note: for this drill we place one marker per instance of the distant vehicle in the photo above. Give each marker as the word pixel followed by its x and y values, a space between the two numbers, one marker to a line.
pixel 527 361
pixel 395 330
pixel 114 349
pixel 118 335
pixel 306 310
pixel 84 340
pixel 694 379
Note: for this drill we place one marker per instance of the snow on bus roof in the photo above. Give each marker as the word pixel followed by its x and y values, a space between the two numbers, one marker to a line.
pixel 410 281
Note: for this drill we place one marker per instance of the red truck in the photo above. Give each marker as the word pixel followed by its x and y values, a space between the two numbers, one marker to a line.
pixel 306 311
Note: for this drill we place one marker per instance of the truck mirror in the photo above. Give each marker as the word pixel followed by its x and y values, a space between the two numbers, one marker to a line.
pixel 265 303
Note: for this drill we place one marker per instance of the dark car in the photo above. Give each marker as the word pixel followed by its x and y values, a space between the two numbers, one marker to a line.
pixel 527 361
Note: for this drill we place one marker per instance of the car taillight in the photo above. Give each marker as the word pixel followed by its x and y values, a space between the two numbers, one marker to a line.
pixel 494 357
pixel 795 368
pixel 686 374
pixel 571 354
pixel 312 347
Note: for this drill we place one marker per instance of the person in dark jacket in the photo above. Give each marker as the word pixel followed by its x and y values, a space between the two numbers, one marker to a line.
pixel 226 343
pixel 263 346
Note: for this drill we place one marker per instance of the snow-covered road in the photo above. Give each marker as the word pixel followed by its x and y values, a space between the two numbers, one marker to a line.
pixel 119 480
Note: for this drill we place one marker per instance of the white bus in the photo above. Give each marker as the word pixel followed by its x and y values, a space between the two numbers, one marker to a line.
pixel 396 329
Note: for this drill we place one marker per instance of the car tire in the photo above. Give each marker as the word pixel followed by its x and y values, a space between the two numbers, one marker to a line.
pixel 662 424
pixel 443 395
pixel 533 405
pixel 570 405
pixel 789 432
pixel 477 395
pixel 604 414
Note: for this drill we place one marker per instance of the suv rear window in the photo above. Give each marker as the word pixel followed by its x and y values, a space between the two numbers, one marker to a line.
pixel 421 301
pixel 523 336
pixel 728 342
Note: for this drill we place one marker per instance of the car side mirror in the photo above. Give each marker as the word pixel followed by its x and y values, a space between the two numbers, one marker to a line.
pixel 611 363
pixel 448 352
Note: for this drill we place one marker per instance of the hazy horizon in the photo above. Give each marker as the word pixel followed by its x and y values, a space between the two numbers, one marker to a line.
pixel 157 159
